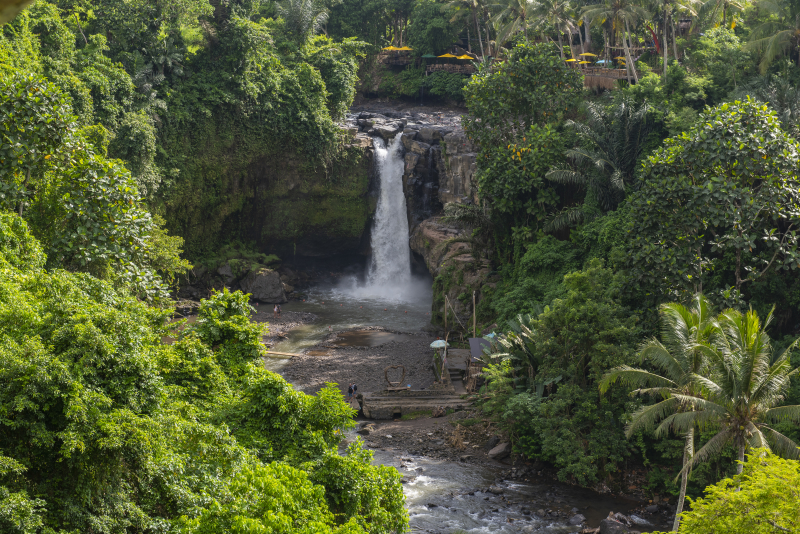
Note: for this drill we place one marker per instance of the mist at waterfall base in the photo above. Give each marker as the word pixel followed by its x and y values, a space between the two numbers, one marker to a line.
pixel 389 275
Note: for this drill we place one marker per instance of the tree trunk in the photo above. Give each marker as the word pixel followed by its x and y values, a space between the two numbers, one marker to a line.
pixel 580 38
pixel 687 456
pixel 469 43
pixel 674 41
pixel 488 41
pixel 560 46
pixel 478 30
pixel 664 45
pixel 24 185
pixel 740 464
pixel 628 59
pixel 587 29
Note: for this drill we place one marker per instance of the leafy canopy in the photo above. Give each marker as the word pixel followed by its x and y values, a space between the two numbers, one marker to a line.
pixel 735 174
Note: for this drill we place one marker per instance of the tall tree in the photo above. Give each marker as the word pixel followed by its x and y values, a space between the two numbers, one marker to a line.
pixel 514 16
pixel 303 17
pixel 473 8
pixel 610 142
pixel 778 35
pixel 744 392
pixel 623 14
pixel 557 14
pixel 680 356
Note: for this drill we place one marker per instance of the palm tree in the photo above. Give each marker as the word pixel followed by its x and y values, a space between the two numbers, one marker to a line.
pixel 514 15
pixel 742 394
pixel 668 8
pixel 714 8
pixel 558 14
pixel 610 141
pixel 623 14
pixel 473 6
pixel 303 17
pixel 681 356
pixel 778 35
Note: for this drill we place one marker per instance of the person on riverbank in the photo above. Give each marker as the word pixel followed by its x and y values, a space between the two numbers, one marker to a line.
pixel 275 312
pixel 279 309
pixel 355 390
pixel 350 393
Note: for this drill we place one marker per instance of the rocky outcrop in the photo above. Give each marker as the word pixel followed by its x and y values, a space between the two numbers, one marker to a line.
pixel 457 170
pixel 439 161
pixel 264 285
pixel 457 273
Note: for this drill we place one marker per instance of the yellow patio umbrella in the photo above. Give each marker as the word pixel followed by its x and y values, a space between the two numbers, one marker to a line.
pixel 391 48
pixel 584 62
pixel 447 55
pixel 620 57
pixel 568 60
pixel 464 56
pixel 404 48
pixel 588 54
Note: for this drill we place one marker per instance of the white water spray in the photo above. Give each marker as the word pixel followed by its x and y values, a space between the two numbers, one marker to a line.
pixel 389 276
pixel 391 256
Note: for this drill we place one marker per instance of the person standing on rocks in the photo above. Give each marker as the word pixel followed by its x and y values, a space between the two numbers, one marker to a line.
pixel 355 390
pixel 278 307
pixel 275 312
pixel 350 393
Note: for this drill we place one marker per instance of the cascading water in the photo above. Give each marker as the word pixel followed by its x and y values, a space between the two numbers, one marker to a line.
pixel 390 268
pixel 389 277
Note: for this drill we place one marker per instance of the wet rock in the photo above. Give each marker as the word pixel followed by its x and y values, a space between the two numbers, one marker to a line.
pixel 496 490
pixel 501 451
pixel 264 285
pixel 465 457
pixel 576 519
pixel 226 272
pixel 610 526
pixel 386 131
pixel 636 520
pixel 652 509
pixel 493 441
pixel 365 431
pixel 540 512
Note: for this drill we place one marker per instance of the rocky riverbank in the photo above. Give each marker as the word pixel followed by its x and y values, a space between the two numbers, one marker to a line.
pixel 279 326
pixel 344 358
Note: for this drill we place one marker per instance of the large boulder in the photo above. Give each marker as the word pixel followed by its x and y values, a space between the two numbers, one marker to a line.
pixel 500 451
pixel 610 526
pixel 264 285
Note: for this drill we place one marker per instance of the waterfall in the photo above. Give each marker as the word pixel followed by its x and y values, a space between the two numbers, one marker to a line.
pixel 390 269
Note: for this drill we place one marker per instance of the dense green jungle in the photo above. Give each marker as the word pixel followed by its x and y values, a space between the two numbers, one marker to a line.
pixel 634 248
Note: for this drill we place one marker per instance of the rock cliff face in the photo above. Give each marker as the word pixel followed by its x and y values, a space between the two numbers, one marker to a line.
pixel 439 168
pixel 439 160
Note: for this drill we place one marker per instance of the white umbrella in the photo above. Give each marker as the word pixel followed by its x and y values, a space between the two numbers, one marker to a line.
pixel 439 344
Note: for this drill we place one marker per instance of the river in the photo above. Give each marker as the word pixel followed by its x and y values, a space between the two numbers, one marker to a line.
pixel 442 498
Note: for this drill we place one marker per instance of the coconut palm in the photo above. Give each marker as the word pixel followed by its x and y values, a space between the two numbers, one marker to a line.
pixel 610 142
pixel 713 9
pixel 777 36
pixel 742 393
pixel 513 16
pixel 623 15
pixel 302 17
pixel 680 356
pixel 556 14
pixel 473 7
